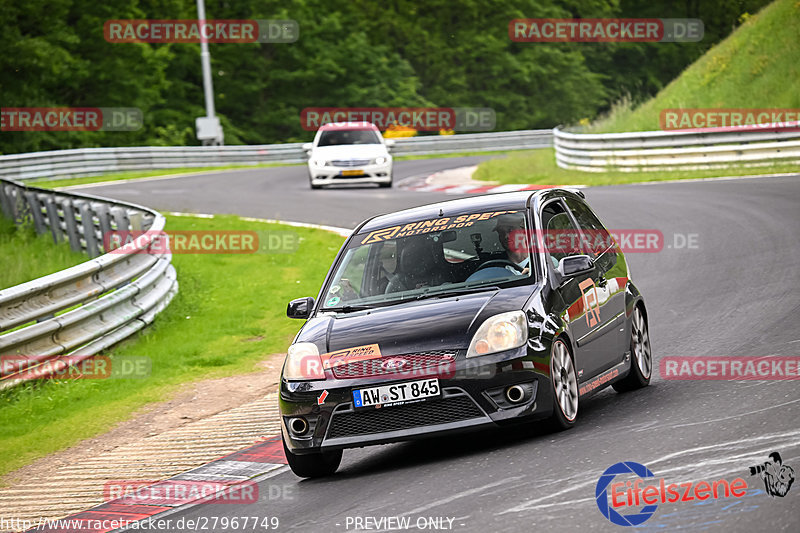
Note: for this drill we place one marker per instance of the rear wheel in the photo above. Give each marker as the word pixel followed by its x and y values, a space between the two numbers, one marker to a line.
pixel 318 464
pixel 565 386
pixel 641 356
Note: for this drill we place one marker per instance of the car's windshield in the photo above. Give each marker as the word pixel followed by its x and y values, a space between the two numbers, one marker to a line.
pixel 431 257
pixel 337 137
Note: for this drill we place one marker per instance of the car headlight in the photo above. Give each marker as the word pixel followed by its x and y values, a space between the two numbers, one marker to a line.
pixel 499 333
pixel 303 362
pixel 318 162
pixel 380 160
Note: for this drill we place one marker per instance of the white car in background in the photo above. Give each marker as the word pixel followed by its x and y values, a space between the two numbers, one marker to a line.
pixel 349 152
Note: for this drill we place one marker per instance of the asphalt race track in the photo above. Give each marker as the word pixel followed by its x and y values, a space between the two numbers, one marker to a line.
pixel 735 294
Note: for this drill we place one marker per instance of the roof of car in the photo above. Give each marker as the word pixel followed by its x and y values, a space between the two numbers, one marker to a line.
pixel 470 204
pixel 348 126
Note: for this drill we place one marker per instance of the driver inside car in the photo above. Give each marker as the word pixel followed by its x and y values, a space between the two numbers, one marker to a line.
pixel 510 230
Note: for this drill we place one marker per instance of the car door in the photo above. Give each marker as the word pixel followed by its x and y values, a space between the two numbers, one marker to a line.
pixel 610 336
pixel 583 307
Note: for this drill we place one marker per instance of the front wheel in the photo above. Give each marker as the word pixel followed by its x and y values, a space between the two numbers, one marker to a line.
pixel 565 386
pixel 642 358
pixel 385 185
pixel 318 464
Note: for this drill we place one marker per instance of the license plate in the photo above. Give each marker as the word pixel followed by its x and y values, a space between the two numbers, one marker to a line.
pixel 352 172
pixel 397 394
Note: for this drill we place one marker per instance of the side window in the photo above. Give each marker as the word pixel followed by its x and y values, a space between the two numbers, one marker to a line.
pixel 597 241
pixel 558 232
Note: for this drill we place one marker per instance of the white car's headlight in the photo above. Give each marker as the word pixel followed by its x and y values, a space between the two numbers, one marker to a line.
pixel 380 160
pixel 318 162
pixel 499 333
pixel 303 362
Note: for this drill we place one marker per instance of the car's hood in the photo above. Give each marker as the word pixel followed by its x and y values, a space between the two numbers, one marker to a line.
pixel 349 151
pixel 435 324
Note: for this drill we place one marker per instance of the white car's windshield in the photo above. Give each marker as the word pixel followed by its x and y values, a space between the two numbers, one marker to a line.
pixel 338 137
pixel 431 257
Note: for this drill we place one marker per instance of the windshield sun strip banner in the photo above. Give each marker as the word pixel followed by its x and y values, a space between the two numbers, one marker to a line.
pixel 426 226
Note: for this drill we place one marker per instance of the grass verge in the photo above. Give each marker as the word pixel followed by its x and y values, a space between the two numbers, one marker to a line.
pixel 27 256
pixel 754 67
pixel 119 176
pixel 539 167
pixel 228 315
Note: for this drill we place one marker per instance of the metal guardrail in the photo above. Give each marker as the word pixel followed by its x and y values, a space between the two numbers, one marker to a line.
pixel 75 313
pixel 674 150
pixel 94 161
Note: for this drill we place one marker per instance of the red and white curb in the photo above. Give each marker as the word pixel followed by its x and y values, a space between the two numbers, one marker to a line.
pixel 236 469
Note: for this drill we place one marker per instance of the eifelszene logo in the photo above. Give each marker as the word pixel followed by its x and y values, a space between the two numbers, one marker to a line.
pixel 624 495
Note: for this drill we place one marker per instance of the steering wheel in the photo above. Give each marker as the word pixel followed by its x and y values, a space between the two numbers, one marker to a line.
pixel 500 263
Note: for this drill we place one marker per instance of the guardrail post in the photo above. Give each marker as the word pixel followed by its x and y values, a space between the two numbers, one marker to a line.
pixel 89 234
pixel 72 226
pixel 120 217
pixel 36 211
pixel 136 221
pixel 51 208
pixel 5 202
pixel 104 217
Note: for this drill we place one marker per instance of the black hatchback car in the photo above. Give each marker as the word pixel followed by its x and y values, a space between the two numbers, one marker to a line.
pixel 459 315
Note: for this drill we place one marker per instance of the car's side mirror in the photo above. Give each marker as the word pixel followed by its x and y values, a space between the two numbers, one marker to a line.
pixel 389 143
pixel 307 147
pixel 300 308
pixel 575 265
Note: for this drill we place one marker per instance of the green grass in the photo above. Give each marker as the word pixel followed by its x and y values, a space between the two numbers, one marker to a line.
pixel 229 314
pixel 539 167
pixel 68 182
pixel 755 67
pixel 27 256
pixel 462 154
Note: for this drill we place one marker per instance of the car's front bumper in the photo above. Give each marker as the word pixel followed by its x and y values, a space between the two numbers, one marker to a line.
pixel 328 174
pixel 465 404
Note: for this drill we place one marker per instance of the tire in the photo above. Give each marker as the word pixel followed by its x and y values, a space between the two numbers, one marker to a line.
pixel 565 387
pixel 312 465
pixel 641 355
pixel 385 185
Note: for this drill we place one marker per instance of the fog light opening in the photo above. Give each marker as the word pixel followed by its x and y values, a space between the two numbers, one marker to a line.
pixel 298 426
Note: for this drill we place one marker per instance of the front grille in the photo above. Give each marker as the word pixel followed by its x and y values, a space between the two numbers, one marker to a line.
pixel 422 363
pixel 429 413
pixel 350 163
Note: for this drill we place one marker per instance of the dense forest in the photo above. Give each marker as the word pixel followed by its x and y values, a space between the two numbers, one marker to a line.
pixel 351 53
